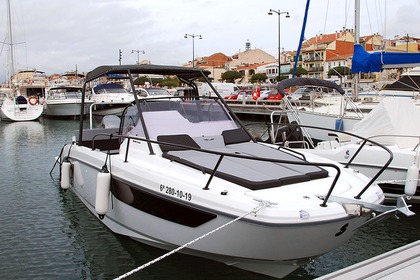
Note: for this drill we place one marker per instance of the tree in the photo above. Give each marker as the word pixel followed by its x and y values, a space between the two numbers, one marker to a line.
pixel 170 82
pixel 299 71
pixel 230 76
pixel 142 80
pixel 260 77
pixel 339 71
pixel 282 77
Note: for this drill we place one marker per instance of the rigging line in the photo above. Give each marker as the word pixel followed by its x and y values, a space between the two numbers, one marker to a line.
pixel 326 16
pixel 255 210
pixel 368 16
pixel 379 19
pixel 346 16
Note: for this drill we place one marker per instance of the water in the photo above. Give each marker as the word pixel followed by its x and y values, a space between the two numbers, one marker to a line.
pixel 48 234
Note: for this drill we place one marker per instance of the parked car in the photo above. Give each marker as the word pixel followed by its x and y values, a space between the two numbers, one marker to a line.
pixel 239 95
pixel 274 95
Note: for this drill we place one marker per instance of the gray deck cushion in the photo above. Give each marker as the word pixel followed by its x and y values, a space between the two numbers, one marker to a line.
pixel 251 174
pixel 180 139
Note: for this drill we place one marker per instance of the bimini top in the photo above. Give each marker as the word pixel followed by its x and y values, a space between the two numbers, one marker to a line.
pixel 109 86
pixel 300 82
pixel 182 72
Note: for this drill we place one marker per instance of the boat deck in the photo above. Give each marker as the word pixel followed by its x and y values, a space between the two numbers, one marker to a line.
pixel 400 263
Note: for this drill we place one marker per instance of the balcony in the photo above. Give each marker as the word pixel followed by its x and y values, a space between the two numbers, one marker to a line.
pixel 316 69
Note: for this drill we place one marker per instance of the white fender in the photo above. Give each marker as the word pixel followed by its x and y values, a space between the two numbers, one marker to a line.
pixel 411 183
pixel 103 184
pixel 65 175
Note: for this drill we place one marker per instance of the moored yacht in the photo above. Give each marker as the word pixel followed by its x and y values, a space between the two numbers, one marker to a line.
pixel 110 98
pixel 64 102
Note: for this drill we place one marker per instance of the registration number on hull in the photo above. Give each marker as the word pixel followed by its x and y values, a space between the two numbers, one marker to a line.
pixel 175 192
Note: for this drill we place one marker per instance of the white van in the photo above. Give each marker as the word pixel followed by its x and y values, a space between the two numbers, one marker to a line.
pixel 224 89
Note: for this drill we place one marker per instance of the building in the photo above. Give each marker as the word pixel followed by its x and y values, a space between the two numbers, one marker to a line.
pixel 215 63
pixel 245 62
pixel 318 56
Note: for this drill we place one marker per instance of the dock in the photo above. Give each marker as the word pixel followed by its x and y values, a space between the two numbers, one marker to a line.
pixel 251 107
pixel 400 263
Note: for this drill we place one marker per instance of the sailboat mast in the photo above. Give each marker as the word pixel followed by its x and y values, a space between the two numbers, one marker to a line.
pixel 356 42
pixel 9 21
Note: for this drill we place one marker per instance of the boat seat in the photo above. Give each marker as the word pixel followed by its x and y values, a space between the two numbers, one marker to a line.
pixel 20 100
pixel 234 136
pixel 251 174
pixel 103 142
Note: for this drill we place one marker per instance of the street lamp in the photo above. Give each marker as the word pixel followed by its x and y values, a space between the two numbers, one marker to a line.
pixel 138 54
pixel 192 36
pixel 287 16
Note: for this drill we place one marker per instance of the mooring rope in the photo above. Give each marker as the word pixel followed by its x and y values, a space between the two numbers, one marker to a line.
pixel 255 210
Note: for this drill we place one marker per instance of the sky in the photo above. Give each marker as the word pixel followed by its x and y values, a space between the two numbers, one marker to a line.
pixel 59 36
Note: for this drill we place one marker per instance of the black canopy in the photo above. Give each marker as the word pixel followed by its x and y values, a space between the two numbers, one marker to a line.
pixel 300 82
pixel 182 72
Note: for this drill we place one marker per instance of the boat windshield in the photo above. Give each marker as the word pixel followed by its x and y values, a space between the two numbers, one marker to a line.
pixel 195 118
pixel 64 94
pixel 109 88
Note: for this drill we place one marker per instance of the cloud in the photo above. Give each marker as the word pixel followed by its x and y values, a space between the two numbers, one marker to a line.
pixel 59 35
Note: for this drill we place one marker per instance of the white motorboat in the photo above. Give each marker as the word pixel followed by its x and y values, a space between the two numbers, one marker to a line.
pixel 110 98
pixel 394 123
pixel 20 108
pixel 330 110
pixel 64 102
pixel 184 172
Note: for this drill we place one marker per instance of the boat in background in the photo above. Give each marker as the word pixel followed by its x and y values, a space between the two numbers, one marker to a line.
pixel 395 124
pixel 325 105
pixel 27 89
pixel 20 108
pixel 177 170
pixel 110 99
pixel 64 102
pixel 26 98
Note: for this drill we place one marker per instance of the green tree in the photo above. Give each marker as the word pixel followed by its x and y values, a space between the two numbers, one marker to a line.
pixel 259 77
pixel 142 80
pixel 170 82
pixel 282 77
pixel 299 71
pixel 230 76
pixel 339 71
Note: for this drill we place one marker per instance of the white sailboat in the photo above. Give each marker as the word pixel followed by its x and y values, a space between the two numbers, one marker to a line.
pixel 18 106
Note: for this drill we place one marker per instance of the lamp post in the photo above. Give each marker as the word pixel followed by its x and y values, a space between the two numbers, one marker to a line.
pixel 192 36
pixel 138 54
pixel 287 16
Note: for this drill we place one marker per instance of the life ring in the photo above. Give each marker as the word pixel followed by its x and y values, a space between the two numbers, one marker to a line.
pixel 33 100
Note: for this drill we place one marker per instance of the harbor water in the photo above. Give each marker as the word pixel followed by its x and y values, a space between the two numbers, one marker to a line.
pixel 48 234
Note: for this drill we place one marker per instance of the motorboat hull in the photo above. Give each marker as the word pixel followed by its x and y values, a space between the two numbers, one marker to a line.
pixel 274 249
pixel 65 108
pixel 322 120
pixel 104 109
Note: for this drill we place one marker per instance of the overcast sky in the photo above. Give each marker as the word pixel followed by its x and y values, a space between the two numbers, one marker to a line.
pixel 56 36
